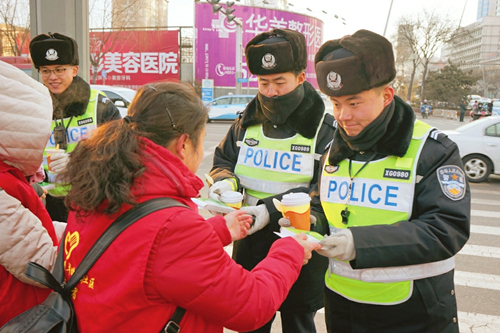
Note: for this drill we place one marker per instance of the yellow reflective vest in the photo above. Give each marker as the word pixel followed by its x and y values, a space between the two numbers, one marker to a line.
pixel 78 127
pixel 382 193
pixel 269 166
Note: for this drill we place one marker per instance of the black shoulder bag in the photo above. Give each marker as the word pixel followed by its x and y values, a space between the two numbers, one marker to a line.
pixel 56 313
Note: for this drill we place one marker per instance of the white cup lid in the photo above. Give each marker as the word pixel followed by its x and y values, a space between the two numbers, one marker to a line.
pixel 295 199
pixel 231 197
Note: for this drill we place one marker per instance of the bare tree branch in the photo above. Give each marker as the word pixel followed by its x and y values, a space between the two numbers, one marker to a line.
pixel 106 14
pixel 14 25
pixel 425 34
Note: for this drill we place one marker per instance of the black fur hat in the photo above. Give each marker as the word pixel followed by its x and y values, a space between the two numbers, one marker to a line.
pixel 354 63
pixel 53 49
pixel 276 51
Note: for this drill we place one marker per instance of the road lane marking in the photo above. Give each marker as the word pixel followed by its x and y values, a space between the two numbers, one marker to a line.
pixel 480 251
pixel 484 213
pixel 484 229
pixel 486 202
pixel 478 191
pixel 477 280
pixel 478 323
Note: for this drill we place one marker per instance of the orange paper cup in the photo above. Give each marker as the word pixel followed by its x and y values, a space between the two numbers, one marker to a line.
pixel 296 207
pixel 299 221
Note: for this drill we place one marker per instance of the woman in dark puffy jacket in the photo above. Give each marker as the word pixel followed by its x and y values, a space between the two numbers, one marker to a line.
pixel 174 257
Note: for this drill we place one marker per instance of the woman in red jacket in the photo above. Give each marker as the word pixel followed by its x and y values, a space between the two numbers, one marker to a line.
pixel 173 257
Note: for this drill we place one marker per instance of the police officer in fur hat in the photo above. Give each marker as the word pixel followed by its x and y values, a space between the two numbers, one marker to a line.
pixel 285 122
pixel 78 109
pixel 396 198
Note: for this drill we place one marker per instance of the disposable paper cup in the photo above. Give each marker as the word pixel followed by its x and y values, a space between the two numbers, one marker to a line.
pixel 297 208
pixel 49 152
pixel 232 198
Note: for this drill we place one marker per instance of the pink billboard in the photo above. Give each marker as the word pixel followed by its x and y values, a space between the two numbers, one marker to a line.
pixel 215 43
pixel 135 57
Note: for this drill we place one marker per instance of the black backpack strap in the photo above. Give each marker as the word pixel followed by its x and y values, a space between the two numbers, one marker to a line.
pixel 121 223
pixel 41 275
pixel 173 325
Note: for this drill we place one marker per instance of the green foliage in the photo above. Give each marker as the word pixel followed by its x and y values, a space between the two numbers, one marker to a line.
pixel 449 84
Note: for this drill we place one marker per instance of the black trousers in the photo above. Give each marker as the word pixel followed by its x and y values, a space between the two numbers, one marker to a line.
pixel 292 323
pixel 56 208
pixel 431 308
pixel 462 114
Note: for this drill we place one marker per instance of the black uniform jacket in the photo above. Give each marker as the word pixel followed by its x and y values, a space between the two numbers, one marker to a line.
pixel 438 227
pixel 306 294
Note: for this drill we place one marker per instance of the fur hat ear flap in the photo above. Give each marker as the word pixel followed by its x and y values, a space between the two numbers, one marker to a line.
pixel 353 64
pixel 276 51
pixel 53 49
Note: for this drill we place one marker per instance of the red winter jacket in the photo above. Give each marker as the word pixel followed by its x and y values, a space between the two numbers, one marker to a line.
pixel 171 258
pixel 23 239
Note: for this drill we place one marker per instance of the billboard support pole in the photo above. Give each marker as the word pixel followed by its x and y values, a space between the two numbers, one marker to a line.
pixel 239 46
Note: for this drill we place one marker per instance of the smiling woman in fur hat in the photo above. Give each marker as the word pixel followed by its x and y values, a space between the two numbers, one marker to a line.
pixel 77 108
pixel 396 198
pixel 286 125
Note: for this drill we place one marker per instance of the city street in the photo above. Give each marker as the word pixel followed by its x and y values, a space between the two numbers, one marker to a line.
pixel 477 275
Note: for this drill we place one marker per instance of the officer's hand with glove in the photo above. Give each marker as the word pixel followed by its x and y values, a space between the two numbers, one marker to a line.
pixel 218 188
pixel 58 161
pixel 339 245
pixel 261 217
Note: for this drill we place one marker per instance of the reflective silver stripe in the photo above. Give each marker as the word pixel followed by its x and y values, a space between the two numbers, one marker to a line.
pixel 268 186
pixel 392 274
pixel 250 200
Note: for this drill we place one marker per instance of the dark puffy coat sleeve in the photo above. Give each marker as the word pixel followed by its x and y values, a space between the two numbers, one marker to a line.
pixel 106 110
pixel 438 227
pixel 226 153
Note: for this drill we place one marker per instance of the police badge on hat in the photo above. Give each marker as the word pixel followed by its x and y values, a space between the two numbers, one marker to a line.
pixel 452 181
pixel 51 55
pixel 268 61
pixel 333 81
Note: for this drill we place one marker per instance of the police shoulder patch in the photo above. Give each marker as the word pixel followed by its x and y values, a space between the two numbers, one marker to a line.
pixel 452 181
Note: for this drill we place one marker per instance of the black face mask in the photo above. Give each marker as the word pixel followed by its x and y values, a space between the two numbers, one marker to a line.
pixel 278 108
pixel 369 136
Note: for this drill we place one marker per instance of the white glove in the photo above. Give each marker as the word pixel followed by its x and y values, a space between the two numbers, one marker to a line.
pixel 261 217
pixel 218 188
pixel 286 222
pixel 58 161
pixel 339 245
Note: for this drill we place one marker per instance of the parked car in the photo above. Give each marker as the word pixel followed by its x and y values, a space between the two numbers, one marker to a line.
pixel 227 107
pixel 479 145
pixel 121 97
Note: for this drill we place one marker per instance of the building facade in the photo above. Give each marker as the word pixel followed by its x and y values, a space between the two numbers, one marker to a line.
pixel 139 13
pixel 476 47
